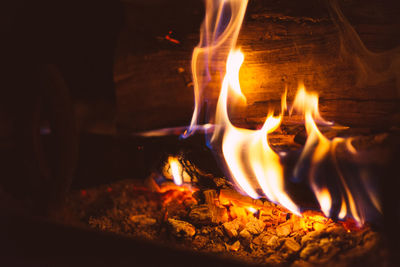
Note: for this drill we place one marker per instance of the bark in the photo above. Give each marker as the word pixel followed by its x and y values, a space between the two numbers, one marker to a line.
pixel 284 43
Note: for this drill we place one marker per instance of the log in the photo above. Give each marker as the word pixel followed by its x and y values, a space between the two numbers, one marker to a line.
pixel 283 43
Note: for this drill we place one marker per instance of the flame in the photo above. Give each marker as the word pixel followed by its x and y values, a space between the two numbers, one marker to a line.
pixel 176 170
pixel 319 148
pixel 251 163
pixel 216 40
pixel 343 210
pixel 252 210
pixel 247 152
pixel 325 201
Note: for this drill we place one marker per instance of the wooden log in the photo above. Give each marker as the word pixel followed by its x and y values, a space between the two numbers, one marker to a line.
pixel 283 43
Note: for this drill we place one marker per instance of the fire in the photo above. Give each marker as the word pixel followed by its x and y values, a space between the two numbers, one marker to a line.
pixel 249 160
pixel 325 201
pixel 252 210
pixel 246 152
pixel 176 170
pixel 216 40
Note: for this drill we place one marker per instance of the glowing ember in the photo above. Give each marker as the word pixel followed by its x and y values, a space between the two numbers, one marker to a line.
pixel 252 210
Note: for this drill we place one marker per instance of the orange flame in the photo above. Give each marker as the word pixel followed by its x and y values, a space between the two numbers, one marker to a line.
pixel 215 44
pixel 320 147
pixel 176 170
pixel 253 165
pixel 246 152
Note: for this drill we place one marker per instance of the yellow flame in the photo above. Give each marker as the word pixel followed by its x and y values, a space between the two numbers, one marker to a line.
pixel 251 161
pixel 254 166
pixel 325 201
pixel 214 45
pixel 343 210
pixel 234 62
pixel 176 170
pixel 321 147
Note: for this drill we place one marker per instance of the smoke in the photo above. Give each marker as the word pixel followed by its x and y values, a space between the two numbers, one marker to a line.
pixel 372 68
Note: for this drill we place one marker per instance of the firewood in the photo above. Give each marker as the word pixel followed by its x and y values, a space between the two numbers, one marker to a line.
pixel 229 194
pixel 282 44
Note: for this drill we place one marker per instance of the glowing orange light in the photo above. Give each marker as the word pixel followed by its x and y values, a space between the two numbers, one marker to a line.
pixel 247 152
pixel 324 198
pixel 176 170
pixel 252 210
pixel 253 165
pixel 343 210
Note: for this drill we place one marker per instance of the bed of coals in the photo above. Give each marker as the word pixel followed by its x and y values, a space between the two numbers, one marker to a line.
pixel 267 234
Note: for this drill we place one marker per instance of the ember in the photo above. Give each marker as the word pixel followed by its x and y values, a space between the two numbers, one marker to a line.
pixel 199 219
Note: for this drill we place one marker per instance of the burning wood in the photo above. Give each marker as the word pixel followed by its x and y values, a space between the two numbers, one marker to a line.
pixel 254 217
pixel 221 220
pixel 263 235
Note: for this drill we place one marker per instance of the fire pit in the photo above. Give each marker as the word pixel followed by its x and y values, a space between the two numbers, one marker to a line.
pixel 287 159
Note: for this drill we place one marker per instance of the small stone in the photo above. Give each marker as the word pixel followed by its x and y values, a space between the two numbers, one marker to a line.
pixel 232 228
pixel 283 229
pixel 181 228
pixel 142 220
pixel 291 244
pixel 255 226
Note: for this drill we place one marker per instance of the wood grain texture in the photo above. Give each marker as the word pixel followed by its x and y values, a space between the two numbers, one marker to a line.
pixel 283 42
